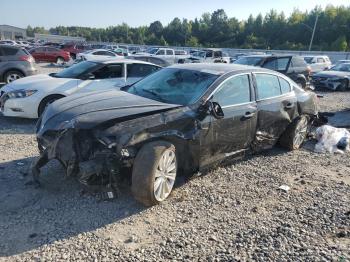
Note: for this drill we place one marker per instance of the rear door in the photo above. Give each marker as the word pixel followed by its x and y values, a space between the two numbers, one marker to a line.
pixel 39 54
pixel 277 107
pixel 51 54
pixel 236 130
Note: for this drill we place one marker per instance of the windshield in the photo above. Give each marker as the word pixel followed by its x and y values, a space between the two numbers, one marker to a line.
pixel 174 86
pixel 341 67
pixel 253 61
pixel 76 70
pixel 308 60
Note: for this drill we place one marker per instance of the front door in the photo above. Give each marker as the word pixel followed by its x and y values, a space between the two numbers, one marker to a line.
pixel 235 131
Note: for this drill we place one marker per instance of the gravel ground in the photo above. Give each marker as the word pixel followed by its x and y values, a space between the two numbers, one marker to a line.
pixel 234 212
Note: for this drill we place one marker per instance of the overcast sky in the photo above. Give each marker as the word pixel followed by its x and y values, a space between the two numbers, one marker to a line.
pixel 103 13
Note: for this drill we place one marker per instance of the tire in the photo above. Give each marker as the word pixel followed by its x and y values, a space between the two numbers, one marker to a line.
pixel 46 101
pixel 344 85
pixel 150 184
pixel 295 134
pixel 12 75
pixel 60 60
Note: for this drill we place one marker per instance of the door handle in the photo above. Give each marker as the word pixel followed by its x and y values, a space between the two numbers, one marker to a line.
pixel 289 106
pixel 248 115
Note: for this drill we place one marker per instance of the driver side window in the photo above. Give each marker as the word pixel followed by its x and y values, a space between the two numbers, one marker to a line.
pixel 109 71
pixel 233 91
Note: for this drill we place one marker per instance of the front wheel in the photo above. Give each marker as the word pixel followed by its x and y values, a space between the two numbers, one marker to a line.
pixel 295 134
pixel 154 172
pixel 59 61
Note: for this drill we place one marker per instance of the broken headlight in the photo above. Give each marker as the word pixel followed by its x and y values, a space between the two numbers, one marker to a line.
pixel 22 93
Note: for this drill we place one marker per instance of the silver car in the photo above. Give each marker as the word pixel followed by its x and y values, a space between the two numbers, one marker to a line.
pixel 15 63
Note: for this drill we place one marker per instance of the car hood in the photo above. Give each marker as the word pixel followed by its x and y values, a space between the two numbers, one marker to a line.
pixel 39 82
pixel 87 110
pixel 332 74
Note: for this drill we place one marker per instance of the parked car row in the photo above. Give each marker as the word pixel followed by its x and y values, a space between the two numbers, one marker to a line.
pixel 28 97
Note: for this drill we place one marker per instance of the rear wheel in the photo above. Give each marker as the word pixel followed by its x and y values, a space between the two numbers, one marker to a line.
pixel 295 134
pixel 59 61
pixel 154 172
pixel 46 102
pixel 12 75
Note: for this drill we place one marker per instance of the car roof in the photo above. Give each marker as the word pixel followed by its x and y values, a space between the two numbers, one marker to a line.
pixel 119 60
pixel 12 46
pixel 219 68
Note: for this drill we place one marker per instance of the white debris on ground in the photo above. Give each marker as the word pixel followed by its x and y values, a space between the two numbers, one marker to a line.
pixel 331 139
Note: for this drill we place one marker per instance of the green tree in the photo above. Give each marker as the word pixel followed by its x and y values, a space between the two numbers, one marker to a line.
pixel 340 44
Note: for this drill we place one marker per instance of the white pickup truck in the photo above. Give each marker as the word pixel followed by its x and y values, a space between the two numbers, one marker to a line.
pixel 170 55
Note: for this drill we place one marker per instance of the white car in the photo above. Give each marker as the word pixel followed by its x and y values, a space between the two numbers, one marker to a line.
pixel 29 96
pixel 318 63
pixel 96 53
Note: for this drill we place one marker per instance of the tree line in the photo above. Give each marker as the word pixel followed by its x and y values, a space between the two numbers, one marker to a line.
pixel 272 31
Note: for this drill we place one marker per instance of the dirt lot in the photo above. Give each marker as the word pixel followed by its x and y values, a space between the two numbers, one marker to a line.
pixel 234 212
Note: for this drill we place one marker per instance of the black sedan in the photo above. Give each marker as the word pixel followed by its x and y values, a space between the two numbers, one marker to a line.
pixel 336 78
pixel 179 119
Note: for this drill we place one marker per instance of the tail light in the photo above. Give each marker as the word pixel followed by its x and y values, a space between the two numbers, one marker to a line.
pixel 27 58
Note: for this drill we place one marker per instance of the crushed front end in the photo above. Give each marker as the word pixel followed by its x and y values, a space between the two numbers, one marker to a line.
pixel 92 161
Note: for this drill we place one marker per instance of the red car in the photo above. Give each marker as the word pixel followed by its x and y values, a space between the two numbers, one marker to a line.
pixel 50 54
pixel 74 49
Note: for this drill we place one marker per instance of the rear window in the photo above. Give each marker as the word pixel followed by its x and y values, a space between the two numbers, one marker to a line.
pixel 267 86
pixel 7 51
pixel 285 86
pixel 279 64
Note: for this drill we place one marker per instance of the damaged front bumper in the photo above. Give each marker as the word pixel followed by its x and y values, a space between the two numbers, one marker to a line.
pixel 92 162
pixel 329 83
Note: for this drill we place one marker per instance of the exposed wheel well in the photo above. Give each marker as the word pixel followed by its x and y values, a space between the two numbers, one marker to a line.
pixel 46 99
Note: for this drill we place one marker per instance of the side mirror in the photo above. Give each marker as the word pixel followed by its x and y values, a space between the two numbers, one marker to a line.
pixel 216 110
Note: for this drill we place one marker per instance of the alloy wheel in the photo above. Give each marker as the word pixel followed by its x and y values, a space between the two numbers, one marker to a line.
pixel 12 77
pixel 300 132
pixel 165 175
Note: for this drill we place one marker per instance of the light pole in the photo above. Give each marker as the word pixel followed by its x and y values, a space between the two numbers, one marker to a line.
pixel 313 33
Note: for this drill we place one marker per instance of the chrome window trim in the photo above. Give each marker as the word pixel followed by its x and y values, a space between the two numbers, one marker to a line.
pixel 276 75
pixel 237 105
